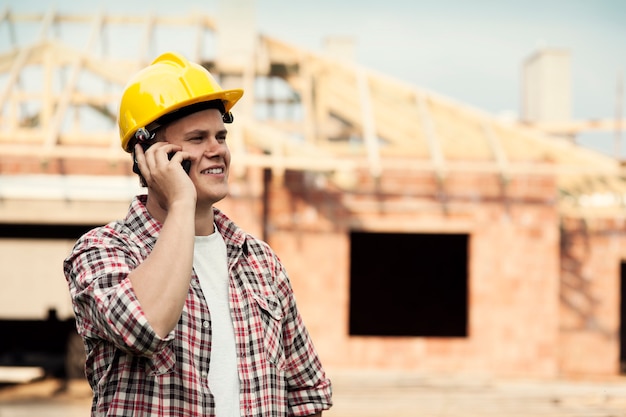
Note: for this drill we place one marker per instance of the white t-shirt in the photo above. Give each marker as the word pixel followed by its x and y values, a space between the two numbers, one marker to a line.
pixel 211 266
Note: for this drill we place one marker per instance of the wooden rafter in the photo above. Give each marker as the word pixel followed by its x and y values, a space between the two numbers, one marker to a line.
pixel 52 131
pixel 347 112
pixel 368 122
pixel 436 153
pixel 498 151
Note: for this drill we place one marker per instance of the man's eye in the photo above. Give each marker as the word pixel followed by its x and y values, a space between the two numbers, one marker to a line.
pixel 221 138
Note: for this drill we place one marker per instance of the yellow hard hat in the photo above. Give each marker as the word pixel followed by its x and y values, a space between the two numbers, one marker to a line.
pixel 169 83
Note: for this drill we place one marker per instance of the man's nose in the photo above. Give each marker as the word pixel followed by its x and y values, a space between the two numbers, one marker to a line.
pixel 214 148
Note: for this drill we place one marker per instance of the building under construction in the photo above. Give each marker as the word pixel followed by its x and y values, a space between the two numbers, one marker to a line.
pixel 419 233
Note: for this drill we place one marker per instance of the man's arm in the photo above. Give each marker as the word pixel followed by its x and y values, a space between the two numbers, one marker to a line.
pixel 161 282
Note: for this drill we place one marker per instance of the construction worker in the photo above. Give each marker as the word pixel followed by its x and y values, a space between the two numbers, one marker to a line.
pixel 183 313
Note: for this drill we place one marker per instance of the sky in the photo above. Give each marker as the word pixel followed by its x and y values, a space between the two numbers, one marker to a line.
pixel 470 51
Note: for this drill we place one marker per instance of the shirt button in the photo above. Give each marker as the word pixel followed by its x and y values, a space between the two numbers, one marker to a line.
pixel 205 324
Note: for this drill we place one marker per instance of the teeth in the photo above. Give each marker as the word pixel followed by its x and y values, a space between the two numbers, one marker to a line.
pixel 213 171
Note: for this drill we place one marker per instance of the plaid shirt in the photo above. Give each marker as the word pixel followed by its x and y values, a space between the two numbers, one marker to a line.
pixel 134 372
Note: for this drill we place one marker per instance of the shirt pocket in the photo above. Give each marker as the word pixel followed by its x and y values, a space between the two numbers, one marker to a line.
pixel 162 362
pixel 271 315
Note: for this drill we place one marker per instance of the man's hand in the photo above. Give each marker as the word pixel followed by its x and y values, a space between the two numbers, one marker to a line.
pixel 165 178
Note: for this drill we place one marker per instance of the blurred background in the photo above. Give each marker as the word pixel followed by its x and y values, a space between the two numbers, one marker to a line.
pixel 443 181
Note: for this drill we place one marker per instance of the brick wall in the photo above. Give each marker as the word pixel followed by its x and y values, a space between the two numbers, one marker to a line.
pixel 592 251
pixel 513 266
pixel 535 307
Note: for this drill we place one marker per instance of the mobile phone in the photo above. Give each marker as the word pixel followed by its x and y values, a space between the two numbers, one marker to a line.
pixel 145 145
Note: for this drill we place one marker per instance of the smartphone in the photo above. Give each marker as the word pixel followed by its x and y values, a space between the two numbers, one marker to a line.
pixel 145 145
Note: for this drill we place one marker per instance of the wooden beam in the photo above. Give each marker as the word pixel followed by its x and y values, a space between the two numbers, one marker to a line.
pixel 368 122
pixel 329 164
pixel 55 126
pixel 146 40
pixel 498 150
pixel 572 128
pixel 436 153
pixel 112 19
pixel 21 58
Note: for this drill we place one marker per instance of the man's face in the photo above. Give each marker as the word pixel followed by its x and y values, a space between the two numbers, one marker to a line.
pixel 203 136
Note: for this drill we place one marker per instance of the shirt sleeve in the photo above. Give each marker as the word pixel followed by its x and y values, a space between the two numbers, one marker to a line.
pixel 309 388
pixel 103 299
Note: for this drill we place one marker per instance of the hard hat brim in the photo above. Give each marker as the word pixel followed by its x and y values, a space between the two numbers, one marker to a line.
pixel 228 97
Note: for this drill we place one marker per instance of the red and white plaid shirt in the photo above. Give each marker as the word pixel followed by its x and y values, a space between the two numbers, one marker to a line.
pixel 134 372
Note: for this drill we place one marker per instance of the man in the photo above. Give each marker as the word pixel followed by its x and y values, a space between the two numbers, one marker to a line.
pixel 183 313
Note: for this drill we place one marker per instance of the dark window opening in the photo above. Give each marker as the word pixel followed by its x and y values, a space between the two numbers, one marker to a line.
pixel 408 284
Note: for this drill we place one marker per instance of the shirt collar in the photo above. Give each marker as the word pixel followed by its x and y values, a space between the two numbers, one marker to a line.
pixel 147 227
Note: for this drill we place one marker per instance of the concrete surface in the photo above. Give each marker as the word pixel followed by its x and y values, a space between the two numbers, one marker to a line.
pixel 389 394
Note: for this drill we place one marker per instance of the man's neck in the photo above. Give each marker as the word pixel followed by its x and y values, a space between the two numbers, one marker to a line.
pixel 204 216
pixel 204 220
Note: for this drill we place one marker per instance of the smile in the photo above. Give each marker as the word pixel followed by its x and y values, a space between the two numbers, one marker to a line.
pixel 213 171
